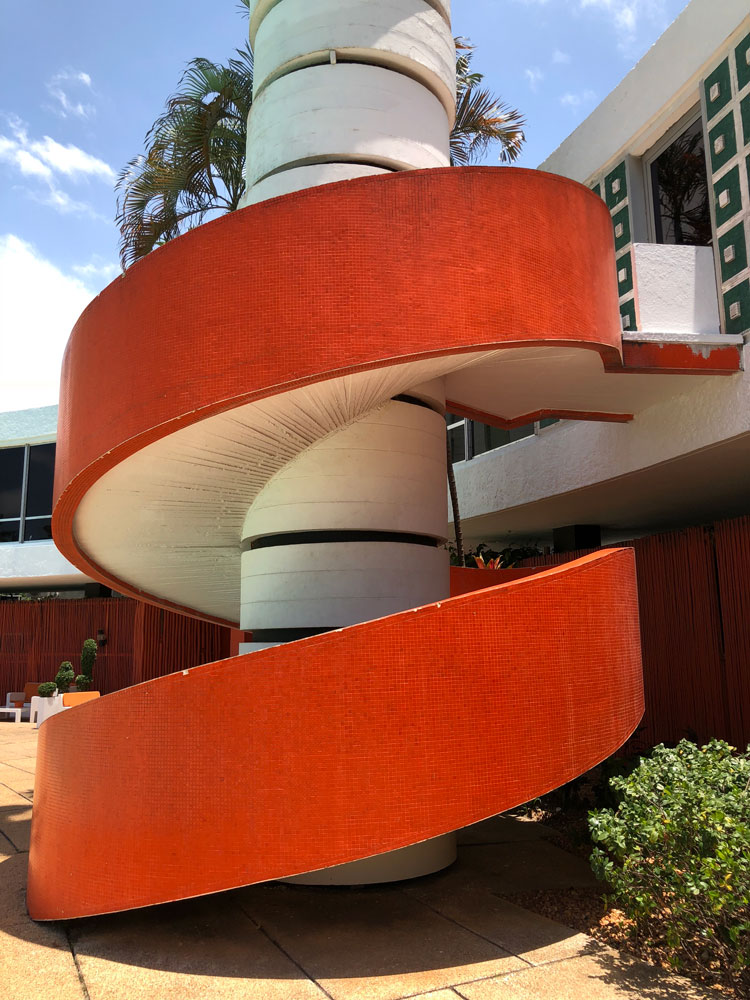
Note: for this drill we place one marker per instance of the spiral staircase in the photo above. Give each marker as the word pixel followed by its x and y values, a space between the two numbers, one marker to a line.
pixel 252 432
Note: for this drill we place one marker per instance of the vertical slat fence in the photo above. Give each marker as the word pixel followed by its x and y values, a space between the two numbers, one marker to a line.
pixel 142 641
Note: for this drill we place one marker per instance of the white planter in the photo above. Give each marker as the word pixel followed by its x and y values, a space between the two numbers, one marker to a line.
pixel 48 707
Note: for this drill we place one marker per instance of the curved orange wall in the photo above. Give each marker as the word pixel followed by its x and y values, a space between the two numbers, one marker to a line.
pixel 292 290
pixel 337 747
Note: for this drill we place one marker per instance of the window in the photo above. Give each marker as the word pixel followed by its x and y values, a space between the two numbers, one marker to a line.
pixel 468 438
pixel 26 475
pixel 679 186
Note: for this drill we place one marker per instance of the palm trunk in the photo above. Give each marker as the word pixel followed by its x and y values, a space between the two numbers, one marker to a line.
pixel 454 505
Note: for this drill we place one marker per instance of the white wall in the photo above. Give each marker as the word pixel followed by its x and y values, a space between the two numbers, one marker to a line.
pixel 36 565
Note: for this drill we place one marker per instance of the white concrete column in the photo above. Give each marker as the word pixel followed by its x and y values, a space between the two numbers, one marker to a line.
pixel 347 88
pixel 350 531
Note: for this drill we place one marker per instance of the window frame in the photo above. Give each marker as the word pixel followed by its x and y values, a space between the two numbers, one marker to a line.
pixel 695 114
pixel 23 518
pixel 469 437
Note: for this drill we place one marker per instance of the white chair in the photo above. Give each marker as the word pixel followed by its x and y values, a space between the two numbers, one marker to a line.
pixel 18 696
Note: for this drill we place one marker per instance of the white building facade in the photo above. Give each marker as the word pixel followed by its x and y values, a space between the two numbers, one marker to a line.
pixel 669 152
pixel 29 560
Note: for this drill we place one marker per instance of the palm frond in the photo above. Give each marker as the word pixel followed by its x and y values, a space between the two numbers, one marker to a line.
pixel 482 120
pixel 194 162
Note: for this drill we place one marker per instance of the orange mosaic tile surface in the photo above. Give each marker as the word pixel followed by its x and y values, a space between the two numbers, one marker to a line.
pixel 340 746
pixel 321 283
pixel 356 742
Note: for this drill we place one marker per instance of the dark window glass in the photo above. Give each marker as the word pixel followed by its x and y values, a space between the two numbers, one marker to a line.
pixel 521 432
pixel 549 421
pixel 486 438
pixel 37 528
pixel 11 477
pixel 456 437
pixel 680 188
pixel 9 531
pixel 452 418
pixel 41 474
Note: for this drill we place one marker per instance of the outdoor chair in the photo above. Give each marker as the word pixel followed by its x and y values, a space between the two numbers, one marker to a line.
pixel 30 690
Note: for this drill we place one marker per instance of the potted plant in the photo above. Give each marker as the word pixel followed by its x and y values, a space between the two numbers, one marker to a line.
pixel 65 677
pixel 85 680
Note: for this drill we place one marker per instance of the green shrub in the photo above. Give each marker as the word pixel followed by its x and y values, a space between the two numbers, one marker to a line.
pixel 83 683
pixel 65 676
pixel 88 659
pixel 47 689
pixel 676 854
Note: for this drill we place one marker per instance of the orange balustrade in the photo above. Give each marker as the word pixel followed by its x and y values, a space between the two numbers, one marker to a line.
pixel 337 747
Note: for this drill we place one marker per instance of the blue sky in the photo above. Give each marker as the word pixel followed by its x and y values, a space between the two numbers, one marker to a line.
pixel 80 83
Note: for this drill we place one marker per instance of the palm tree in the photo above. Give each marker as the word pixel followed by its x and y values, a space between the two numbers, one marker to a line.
pixel 194 165
pixel 481 118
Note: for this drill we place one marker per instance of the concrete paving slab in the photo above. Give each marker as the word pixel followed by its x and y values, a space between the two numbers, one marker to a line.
pixel 204 949
pixel 8 726
pixel 526 867
pixel 13 870
pixel 15 818
pixel 16 750
pixel 37 962
pixel 23 762
pixel 17 780
pixel 437 995
pixel 501 830
pixel 603 976
pixel 372 944
pixel 528 935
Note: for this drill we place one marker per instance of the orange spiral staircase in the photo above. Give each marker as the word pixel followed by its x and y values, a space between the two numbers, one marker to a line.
pixel 387 733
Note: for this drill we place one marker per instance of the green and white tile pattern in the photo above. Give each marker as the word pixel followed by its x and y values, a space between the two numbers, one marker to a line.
pixel 613 188
pixel 726 104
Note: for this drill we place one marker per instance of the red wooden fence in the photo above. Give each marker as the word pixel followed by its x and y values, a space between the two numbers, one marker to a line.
pixel 694 592
pixel 142 641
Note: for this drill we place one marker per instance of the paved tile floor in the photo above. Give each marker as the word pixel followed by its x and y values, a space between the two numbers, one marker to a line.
pixel 445 937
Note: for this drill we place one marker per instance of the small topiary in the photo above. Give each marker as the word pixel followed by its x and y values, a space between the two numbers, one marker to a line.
pixel 83 683
pixel 676 854
pixel 65 676
pixel 47 689
pixel 88 659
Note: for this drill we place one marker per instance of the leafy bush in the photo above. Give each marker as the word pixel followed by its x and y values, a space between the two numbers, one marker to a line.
pixel 47 689
pixel 65 676
pixel 88 659
pixel 83 683
pixel 676 853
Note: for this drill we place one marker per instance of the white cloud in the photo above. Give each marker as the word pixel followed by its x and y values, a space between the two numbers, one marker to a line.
pixel 97 268
pixel 62 85
pixel 70 160
pixel 626 16
pixel 570 100
pixel 49 161
pixel 39 305
pixel 560 58
pixel 534 75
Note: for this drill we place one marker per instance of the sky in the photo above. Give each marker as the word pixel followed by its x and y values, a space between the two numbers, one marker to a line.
pixel 81 82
